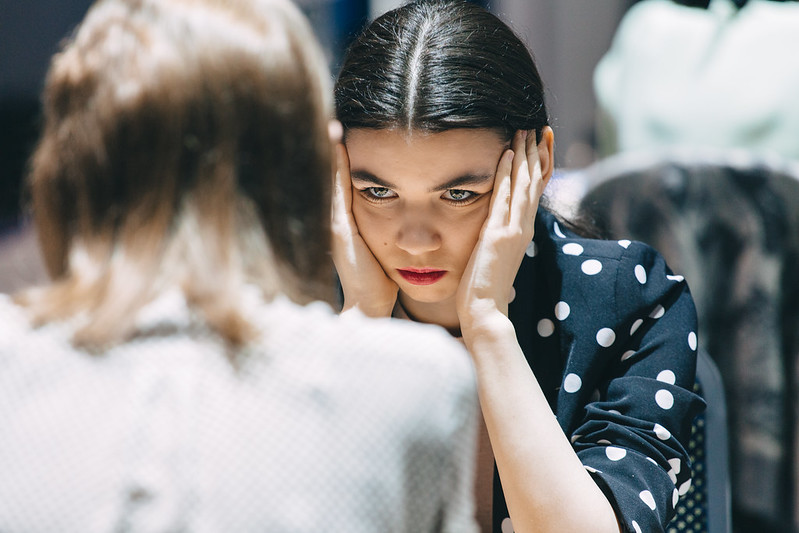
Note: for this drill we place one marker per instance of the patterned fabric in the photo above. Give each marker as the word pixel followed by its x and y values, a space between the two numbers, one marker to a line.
pixel 730 224
pixel 328 424
pixel 610 333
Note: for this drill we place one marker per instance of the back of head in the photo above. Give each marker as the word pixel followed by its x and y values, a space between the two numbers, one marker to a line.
pixel 435 65
pixel 185 144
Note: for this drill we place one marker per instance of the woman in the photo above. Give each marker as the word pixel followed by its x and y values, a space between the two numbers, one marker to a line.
pixel 584 349
pixel 169 379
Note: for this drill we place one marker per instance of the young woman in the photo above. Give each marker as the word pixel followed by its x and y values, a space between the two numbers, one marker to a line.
pixel 584 349
pixel 168 378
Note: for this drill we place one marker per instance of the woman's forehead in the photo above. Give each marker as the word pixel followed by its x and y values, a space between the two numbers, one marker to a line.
pixel 397 156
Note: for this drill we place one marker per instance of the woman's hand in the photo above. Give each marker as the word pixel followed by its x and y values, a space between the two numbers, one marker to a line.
pixel 363 280
pixel 487 282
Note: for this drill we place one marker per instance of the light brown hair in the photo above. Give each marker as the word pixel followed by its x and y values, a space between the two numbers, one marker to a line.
pixel 185 144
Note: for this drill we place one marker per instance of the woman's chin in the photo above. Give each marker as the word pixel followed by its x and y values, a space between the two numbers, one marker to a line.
pixel 427 294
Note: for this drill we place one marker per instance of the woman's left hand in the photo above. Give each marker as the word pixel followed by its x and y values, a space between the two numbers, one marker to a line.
pixel 487 283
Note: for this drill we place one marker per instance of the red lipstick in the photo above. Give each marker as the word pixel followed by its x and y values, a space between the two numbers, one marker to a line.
pixel 421 276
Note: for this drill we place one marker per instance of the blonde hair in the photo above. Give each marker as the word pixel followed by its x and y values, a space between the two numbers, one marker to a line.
pixel 185 144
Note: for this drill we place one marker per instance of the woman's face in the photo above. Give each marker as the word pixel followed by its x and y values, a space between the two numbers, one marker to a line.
pixel 420 201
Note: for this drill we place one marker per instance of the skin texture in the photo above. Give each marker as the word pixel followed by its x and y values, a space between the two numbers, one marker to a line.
pixel 481 246
pixel 426 215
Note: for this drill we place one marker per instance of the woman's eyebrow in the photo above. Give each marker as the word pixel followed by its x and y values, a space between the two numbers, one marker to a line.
pixel 466 180
pixel 362 175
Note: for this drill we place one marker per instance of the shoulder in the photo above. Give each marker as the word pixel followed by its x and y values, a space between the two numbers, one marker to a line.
pixel 16 328
pixel 609 281
pixel 11 315
pixel 422 353
pixel 605 263
pixel 409 375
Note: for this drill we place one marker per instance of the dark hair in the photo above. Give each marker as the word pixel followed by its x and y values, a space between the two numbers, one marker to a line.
pixel 185 144
pixel 436 65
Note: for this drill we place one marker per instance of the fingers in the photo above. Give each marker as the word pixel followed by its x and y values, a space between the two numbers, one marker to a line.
pixel 500 199
pixel 520 179
pixel 342 196
pixel 536 174
pixel 335 131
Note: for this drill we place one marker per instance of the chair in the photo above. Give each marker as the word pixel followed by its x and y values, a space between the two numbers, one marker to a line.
pixel 705 508
pixel 730 225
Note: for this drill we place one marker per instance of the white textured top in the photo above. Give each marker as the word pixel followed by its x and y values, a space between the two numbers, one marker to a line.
pixel 328 424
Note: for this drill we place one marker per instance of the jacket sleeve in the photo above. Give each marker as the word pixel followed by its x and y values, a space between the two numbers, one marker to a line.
pixel 633 438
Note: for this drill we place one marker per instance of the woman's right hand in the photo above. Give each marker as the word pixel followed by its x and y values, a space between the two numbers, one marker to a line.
pixel 363 280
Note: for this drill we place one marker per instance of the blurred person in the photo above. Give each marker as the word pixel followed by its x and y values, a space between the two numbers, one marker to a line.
pixel 710 74
pixel 585 350
pixel 184 371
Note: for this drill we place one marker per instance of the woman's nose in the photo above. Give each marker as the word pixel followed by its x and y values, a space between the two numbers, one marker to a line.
pixel 417 237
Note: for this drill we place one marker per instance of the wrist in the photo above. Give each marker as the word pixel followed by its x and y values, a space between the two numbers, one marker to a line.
pixel 488 326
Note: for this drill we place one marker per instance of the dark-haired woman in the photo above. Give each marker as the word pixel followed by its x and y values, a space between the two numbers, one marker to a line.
pixel 584 349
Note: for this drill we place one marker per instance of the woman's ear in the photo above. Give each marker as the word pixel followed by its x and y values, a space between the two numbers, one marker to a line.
pixel 546 153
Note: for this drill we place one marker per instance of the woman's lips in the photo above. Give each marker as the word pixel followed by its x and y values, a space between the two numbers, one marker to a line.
pixel 421 276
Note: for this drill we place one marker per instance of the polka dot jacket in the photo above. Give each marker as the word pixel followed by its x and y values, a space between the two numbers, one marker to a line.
pixel 610 334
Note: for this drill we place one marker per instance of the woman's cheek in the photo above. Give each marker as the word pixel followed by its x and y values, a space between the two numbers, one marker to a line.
pixel 373 227
pixel 470 228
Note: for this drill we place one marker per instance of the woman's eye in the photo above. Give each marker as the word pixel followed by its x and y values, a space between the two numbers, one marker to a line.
pixel 458 195
pixel 379 193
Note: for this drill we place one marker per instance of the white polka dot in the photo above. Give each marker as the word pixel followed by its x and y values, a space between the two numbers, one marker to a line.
pixel 626 355
pixel 675 278
pixel 672 477
pixel 640 274
pixel 562 310
pixel 675 497
pixel 657 312
pixel 624 243
pixel 692 340
pixel 591 267
pixel 648 499
pixel 605 337
pixel 653 461
pixel 614 412
pixel 558 232
pixel 592 469
pixel 615 453
pixel 684 487
pixel 636 527
pixel 532 249
pixel 664 399
pixel 635 326
pixel 575 438
pixel 667 376
pixel 507 527
pixel 605 442
pixel 572 248
pixel 675 465
pixel 662 433
pixel 545 327
pixel 572 383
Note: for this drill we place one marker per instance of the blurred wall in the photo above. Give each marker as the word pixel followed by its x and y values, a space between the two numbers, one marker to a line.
pixel 567 38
